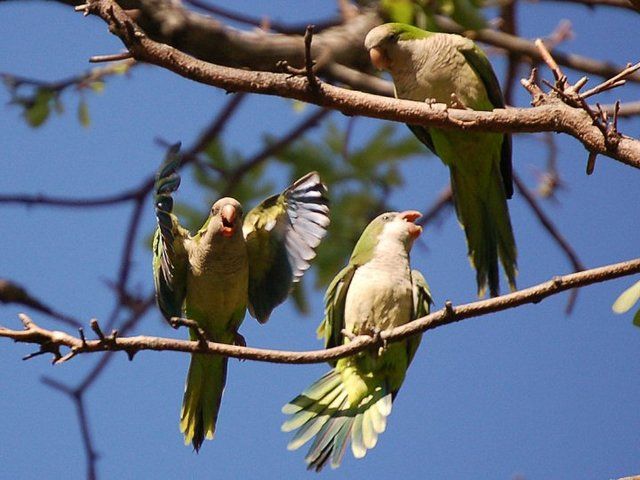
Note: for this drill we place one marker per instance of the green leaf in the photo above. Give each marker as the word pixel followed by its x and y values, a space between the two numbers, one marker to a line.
pixel 97 86
pixel 83 114
pixel 37 111
pixel 627 299
pixel 398 10
pixel 121 68
pixel 636 319
pixel 299 106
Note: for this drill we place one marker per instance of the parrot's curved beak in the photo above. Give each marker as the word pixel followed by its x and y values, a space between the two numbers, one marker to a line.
pixel 379 58
pixel 228 215
pixel 411 216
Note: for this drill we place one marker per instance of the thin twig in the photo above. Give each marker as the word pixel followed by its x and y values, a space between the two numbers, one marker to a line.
pixel 114 57
pixel 445 199
pixel 613 82
pixel 11 292
pixel 311 121
pixel 77 398
pixel 600 3
pixel 562 242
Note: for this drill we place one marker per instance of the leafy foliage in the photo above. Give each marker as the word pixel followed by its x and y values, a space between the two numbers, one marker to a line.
pixel 38 99
pixel 420 13
pixel 627 300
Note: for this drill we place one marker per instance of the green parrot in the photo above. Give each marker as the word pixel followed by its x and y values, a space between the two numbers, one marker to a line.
pixel 230 265
pixel 451 69
pixel 377 290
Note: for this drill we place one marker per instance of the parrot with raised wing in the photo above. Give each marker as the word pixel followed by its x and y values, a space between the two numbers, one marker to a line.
pixel 377 290
pixel 450 69
pixel 232 263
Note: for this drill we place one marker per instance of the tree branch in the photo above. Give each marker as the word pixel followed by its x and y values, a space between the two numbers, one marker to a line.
pixel 555 234
pixel 11 292
pixel 552 116
pixel 52 341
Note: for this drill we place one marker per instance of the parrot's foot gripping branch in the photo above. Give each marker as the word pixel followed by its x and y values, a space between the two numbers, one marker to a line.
pixel 177 322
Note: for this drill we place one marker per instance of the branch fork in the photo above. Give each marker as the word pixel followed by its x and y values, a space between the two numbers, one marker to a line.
pixel 310 65
pixel 571 96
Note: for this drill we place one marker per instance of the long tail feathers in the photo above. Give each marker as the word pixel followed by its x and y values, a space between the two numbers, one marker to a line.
pixel 202 395
pixel 484 215
pixel 323 411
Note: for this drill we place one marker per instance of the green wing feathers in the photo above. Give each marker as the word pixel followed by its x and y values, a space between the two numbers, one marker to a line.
pixel 422 301
pixel 324 412
pixel 484 216
pixel 282 234
pixel 202 396
pixel 481 65
pixel 331 327
pixel 170 260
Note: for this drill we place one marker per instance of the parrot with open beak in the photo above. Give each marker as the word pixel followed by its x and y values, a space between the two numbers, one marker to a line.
pixel 377 290
pixel 450 69
pixel 232 263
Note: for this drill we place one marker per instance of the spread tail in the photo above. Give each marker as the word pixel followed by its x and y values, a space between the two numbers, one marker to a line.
pixel 324 411
pixel 484 215
pixel 202 395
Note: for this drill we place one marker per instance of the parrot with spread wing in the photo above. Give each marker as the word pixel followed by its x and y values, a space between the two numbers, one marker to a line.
pixel 229 265
pixel 451 69
pixel 377 290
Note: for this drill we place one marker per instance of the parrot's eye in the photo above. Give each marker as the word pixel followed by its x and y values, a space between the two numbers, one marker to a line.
pixel 215 210
pixel 386 218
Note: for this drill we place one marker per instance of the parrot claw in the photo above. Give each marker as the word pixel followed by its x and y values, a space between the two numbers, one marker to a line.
pixel 376 334
pixel 240 342
pixel 348 334
pixel 456 103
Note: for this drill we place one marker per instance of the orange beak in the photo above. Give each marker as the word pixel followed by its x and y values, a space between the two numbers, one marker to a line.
pixel 379 59
pixel 411 216
pixel 228 215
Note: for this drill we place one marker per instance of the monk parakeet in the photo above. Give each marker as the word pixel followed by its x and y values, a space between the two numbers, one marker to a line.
pixel 230 265
pixel 377 290
pixel 451 69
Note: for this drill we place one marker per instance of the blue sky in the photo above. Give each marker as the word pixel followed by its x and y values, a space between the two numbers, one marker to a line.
pixel 524 392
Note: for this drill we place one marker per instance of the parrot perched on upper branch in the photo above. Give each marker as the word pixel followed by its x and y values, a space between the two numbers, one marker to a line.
pixel 228 266
pixel 451 69
pixel 377 290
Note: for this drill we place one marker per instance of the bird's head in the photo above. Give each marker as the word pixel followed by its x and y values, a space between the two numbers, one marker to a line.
pixel 389 229
pixel 226 216
pixel 382 41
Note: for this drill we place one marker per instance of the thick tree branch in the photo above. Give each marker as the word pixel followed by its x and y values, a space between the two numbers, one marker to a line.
pixel 52 341
pixel 554 115
pixel 213 41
